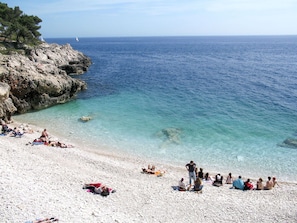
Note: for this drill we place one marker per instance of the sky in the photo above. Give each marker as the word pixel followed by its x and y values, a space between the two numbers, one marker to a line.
pixel 121 18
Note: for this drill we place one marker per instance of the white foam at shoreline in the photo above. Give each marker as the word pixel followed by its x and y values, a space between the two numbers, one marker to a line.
pixel 42 181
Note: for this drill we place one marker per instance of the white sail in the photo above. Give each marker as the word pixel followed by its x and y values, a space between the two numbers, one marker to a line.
pixel 76 38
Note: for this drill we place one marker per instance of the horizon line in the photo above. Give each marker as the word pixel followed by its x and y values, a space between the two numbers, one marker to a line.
pixel 245 35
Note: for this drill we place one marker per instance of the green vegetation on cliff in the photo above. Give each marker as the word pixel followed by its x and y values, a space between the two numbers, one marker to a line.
pixel 17 26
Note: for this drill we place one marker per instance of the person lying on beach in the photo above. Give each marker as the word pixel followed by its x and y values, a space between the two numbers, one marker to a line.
pixel 152 170
pixel 181 185
pixel 58 144
pixel 46 220
pixel 269 184
pixel 98 188
pixel 259 184
pixel 27 129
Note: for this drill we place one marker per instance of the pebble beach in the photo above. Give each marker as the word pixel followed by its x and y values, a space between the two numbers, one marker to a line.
pixel 41 182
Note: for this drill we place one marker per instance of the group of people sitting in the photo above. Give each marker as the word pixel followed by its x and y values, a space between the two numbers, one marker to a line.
pixel 238 183
pixel 199 177
pixel 152 170
pixel 15 132
pixel 248 185
pixel 98 188
pixel 198 185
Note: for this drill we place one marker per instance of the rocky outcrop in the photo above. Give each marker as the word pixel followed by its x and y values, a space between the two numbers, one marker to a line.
pixel 40 78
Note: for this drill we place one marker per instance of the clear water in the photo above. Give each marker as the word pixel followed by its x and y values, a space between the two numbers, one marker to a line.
pixel 231 100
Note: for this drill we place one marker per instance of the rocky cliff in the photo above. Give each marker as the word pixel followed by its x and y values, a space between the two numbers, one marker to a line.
pixel 39 77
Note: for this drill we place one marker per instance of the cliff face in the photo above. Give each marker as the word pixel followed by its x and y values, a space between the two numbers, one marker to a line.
pixel 40 78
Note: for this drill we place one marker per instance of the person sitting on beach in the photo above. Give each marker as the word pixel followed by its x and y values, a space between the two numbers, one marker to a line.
pixel 229 179
pixel 198 185
pixel 44 136
pixel 269 184
pixel 238 183
pixel 207 177
pixel 218 180
pixel 16 132
pixel 259 184
pixel 149 170
pixel 274 181
pixel 5 129
pixel 248 185
pixel 200 173
pixel 181 185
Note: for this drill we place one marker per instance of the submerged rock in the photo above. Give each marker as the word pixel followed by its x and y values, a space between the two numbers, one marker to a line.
pixel 289 142
pixel 170 135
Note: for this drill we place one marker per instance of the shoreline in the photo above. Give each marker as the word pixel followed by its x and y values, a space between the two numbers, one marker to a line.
pixel 42 181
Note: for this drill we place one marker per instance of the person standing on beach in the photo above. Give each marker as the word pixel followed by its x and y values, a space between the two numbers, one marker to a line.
pixel 191 168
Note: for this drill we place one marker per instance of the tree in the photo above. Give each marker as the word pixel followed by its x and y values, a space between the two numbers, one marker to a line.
pixel 16 25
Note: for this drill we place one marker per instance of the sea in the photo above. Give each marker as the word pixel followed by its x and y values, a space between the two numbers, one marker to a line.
pixel 225 102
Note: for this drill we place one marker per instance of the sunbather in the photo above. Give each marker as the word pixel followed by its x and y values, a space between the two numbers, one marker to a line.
pixel 98 188
pixel 152 170
pixel 149 170
pixel 16 132
pixel 46 220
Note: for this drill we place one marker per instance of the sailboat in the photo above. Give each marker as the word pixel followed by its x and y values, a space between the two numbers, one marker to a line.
pixel 76 38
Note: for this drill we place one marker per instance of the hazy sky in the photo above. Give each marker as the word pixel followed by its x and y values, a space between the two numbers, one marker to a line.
pixel 107 18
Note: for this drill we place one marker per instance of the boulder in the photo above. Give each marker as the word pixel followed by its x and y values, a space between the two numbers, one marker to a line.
pixel 7 107
pixel 40 78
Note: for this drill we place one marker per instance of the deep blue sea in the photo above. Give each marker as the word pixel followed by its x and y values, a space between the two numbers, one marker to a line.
pixel 224 102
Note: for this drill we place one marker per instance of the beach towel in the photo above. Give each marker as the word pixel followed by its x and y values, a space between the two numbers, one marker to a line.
pixel 95 184
pixel 37 143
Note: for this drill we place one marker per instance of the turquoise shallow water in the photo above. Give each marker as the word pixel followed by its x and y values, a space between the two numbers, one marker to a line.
pixel 231 100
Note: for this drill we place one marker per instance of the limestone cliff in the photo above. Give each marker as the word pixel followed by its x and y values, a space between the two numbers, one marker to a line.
pixel 39 78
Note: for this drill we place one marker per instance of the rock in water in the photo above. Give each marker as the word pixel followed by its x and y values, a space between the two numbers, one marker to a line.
pixel 289 142
pixel 172 135
pixel 85 118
